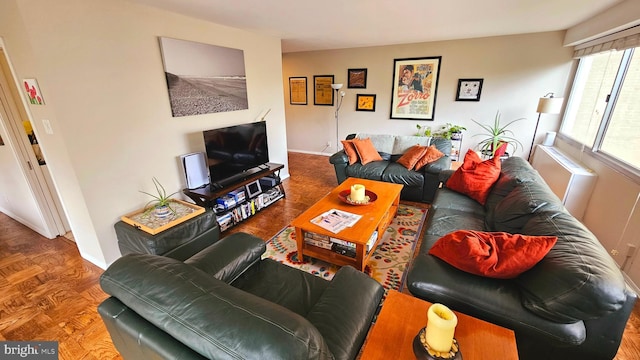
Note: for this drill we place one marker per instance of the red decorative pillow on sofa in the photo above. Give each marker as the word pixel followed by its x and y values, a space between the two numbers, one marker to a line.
pixel 430 156
pixel 366 151
pixel 492 254
pixel 475 177
pixel 350 150
pixel 411 156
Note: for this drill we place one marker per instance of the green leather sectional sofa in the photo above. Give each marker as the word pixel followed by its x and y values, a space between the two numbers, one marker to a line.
pixel 573 304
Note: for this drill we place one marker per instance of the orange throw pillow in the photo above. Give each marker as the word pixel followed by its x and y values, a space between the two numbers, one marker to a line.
pixel 475 177
pixel 366 151
pixel 350 150
pixel 497 255
pixel 411 156
pixel 430 156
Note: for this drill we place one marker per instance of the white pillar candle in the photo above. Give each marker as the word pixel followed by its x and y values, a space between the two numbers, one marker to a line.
pixel 357 192
pixel 441 324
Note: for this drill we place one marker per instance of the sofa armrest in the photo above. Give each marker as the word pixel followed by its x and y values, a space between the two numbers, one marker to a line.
pixel 340 161
pixel 342 318
pixel 230 257
pixel 339 158
pixel 444 163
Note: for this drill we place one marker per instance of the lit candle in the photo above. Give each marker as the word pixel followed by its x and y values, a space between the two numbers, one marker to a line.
pixel 441 324
pixel 357 192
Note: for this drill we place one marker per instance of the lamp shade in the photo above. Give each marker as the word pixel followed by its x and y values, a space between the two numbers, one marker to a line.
pixel 549 105
pixel 336 86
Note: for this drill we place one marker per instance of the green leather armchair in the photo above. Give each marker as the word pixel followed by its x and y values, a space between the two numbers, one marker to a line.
pixel 225 302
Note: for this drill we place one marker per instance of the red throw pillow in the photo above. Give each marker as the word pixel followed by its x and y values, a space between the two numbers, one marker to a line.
pixel 430 156
pixel 411 156
pixel 497 255
pixel 366 151
pixel 350 150
pixel 475 177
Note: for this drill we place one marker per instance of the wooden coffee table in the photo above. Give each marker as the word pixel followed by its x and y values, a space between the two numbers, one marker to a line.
pixel 375 216
pixel 401 318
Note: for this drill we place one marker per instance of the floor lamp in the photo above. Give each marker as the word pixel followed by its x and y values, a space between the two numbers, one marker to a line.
pixel 546 105
pixel 339 97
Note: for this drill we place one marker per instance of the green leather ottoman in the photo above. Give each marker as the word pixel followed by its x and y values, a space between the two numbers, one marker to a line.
pixel 178 242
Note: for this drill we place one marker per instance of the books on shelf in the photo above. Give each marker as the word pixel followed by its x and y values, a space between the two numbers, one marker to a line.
pixel 339 246
pixel 336 220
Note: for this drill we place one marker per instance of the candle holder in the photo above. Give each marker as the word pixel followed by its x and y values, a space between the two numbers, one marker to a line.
pixel 422 351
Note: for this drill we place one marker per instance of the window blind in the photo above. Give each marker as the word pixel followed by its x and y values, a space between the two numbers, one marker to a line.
pixel 622 40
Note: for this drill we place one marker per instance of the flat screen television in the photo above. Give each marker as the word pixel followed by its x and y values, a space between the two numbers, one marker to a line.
pixel 235 151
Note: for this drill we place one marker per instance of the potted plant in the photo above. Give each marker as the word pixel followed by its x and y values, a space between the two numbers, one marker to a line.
pixel 423 130
pixel 450 131
pixel 161 203
pixel 495 135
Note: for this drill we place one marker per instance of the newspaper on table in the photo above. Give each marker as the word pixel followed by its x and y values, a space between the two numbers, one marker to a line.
pixel 336 220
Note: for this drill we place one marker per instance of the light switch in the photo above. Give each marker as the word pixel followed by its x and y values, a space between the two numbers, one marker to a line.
pixel 47 126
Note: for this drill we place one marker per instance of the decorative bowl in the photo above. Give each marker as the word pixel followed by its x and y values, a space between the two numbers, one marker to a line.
pixel 369 197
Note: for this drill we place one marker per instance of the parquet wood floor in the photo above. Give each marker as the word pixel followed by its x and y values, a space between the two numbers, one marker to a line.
pixel 48 292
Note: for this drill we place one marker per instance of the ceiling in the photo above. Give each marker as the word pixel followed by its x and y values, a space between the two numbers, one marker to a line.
pixel 305 25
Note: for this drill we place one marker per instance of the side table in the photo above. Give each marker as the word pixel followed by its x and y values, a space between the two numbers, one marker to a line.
pixel 401 318
pixel 178 242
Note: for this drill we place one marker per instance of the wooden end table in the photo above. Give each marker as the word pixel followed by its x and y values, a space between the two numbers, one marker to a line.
pixel 375 216
pixel 401 318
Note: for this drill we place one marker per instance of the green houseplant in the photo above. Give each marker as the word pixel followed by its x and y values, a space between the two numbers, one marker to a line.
pixel 446 131
pixel 449 131
pixel 161 202
pixel 495 134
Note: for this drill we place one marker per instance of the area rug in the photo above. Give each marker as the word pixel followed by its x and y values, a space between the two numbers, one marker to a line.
pixel 388 263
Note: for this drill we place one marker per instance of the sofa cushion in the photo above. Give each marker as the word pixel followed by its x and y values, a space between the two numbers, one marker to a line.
pixel 382 142
pixel 371 171
pixel 350 150
pixel 366 151
pixel 475 177
pixel 402 143
pixel 398 174
pixel 432 154
pixel 527 198
pixel 577 279
pixel 497 255
pixel 411 156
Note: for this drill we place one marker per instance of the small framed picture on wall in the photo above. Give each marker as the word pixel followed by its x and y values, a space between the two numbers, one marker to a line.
pixel 357 78
pixel 469 89
pixel 365 102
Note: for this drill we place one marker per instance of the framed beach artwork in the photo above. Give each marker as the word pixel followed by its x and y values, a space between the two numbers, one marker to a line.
pixel 415 86
pixel 203 78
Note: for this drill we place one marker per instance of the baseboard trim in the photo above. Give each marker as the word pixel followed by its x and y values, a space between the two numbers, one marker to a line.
pixel 309 152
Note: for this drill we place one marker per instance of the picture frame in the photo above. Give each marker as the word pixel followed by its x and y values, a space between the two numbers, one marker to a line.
pixel 415 88
pixel 365 102
pixel 221 70
pixel 322 91
pixel 469 89
pixel 357 78
pixel 298 90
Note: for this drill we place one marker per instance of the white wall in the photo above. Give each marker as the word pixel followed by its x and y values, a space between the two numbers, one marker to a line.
pixel 517 71
pixel 99 67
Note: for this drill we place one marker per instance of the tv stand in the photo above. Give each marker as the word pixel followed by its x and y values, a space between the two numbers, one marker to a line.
pixel 241 176
pixel 207 196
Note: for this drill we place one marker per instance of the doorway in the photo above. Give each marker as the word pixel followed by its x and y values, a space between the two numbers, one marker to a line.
pixel 23 141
